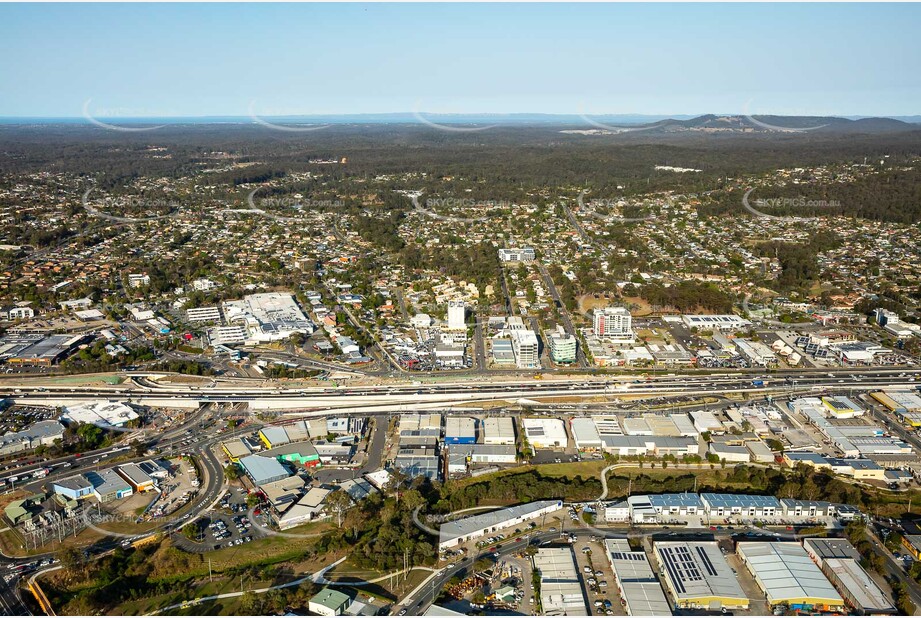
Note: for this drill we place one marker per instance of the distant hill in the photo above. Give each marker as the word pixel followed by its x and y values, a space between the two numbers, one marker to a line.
pixel 614 123
pixel 712 123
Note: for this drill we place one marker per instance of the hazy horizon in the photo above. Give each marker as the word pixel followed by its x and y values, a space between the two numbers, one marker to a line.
pixel 281 60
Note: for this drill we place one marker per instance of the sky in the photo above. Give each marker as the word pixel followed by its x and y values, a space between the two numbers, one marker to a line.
pixel 156 60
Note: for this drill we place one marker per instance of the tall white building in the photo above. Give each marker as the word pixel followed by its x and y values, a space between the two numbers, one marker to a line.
pixel 613 323
pixel 456 314
pixel 562 346
pixel 525 344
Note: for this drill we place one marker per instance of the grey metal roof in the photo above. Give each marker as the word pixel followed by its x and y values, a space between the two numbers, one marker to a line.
pixel 463 527
pixel 785 572
pixel 682 500
pixel 740 501
pixel 74 483
pixel 134 473
pixel 263 469
pixel 107 482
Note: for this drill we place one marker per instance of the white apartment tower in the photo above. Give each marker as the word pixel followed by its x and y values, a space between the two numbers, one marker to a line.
pixel 456 315
pixel 525 344
pixel 613 323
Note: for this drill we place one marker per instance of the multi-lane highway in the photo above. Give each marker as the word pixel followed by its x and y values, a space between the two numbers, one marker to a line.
pixel 259 396
pixel 370 400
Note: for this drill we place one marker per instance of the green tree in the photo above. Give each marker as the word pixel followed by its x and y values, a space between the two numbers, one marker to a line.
pixel 232 471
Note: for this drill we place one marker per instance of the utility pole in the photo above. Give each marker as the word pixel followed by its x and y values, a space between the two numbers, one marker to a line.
pixel 210 579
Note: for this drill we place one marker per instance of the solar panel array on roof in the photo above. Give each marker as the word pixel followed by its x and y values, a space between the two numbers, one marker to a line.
pixel 699 571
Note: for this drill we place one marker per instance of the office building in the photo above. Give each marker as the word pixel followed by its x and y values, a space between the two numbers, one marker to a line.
pixel 524 254
pixel 562 346
pixel 525 344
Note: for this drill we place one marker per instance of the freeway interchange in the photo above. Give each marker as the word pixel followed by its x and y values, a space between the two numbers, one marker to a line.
pixel 301 402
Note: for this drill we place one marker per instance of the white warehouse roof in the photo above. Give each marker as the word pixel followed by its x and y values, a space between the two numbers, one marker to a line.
pixel 787 574
pixel 544 432
pixel 585 433
pixel 499 430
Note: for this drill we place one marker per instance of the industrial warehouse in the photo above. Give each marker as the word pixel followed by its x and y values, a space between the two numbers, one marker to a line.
pixel 787 576
pixel 636 581
pixel 456 532
pixel 697 576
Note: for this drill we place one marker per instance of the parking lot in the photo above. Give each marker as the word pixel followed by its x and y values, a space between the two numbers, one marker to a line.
pixel 16 418
pixel 227 526
pixel 597 578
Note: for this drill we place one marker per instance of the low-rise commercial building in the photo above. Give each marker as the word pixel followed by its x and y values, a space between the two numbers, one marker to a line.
pixel 309 507
pixel 545 432
pixel 740 505
pixel 139 480
pixel 499 430
pixel 108 485
pixel 42 433
pixel 787 576
pixel 493 454
pixel 857 588
pixel 74 487
pixel 728 453
pixel 302 454
pixel 100 413
pixel 419 462
pixel 460 430
pixel 585 434
pixel 203 314
pixel 235 449
pixel 263 470
pixel 474 527
pixel 329 602
pixel 560 590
